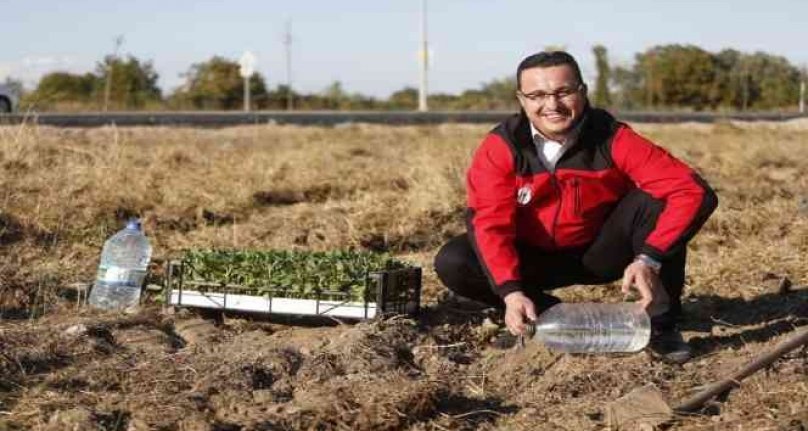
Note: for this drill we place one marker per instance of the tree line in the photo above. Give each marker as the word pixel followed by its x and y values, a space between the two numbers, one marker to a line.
pixel 665 77
pixel 686 76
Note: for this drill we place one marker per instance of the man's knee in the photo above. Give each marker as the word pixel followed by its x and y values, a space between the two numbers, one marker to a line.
pixel 452 261
pixel 605 270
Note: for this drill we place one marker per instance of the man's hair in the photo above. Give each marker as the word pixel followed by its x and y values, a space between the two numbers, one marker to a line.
pixel 547 59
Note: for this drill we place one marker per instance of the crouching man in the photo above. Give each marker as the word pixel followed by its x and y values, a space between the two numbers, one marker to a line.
pixel 562 193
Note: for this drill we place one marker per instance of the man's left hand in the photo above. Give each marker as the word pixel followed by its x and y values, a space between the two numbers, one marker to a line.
pixel 653 297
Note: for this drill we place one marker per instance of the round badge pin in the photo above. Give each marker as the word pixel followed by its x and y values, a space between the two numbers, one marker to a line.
pixel 524 195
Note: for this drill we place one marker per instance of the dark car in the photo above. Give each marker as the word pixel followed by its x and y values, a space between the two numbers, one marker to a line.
pixel 8 100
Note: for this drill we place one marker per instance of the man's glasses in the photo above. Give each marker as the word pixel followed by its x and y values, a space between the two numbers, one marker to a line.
pixel 542 97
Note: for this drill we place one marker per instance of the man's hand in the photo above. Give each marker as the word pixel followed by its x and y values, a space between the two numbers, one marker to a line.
pixel 653 297
pixel 518 307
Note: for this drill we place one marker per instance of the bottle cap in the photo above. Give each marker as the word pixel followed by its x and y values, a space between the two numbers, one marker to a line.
pixel 133 224
pixel 530 329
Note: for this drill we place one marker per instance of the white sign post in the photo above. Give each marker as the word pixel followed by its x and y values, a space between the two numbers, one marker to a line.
pixel 247 62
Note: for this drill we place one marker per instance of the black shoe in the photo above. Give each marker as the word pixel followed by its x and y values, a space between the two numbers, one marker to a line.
pixel 460 303
pixel 667 345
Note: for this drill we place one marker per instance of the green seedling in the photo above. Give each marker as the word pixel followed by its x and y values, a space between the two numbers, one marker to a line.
pixel 337 275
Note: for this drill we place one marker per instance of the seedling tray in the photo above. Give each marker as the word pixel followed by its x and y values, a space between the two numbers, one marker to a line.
pixel 373 291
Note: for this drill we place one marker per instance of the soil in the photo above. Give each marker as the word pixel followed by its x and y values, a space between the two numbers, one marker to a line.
pixel 180 369
pixel 64 366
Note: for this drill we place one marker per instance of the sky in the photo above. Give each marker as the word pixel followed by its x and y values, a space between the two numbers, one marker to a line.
pixel 371 46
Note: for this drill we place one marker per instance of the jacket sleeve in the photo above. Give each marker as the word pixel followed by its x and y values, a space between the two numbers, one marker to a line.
pixel 491 188
pixel 688 200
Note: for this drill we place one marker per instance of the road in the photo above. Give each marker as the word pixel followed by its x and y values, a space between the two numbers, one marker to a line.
pixel 230 118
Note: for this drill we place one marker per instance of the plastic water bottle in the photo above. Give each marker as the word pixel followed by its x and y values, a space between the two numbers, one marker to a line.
pixel 124 262
pixel 594 327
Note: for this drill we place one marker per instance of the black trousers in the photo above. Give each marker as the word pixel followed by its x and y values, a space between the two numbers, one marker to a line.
pixel 603 261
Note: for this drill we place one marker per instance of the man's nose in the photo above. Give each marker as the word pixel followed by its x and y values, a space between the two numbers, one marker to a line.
pixel 551 101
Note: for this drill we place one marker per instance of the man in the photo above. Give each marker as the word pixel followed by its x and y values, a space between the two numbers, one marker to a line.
pixel 563 194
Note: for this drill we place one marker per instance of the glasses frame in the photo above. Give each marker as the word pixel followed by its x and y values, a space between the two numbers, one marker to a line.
pixel 541 97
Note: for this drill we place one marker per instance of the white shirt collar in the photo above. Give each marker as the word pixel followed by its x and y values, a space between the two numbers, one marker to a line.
pixel 570 141
pixel 550 151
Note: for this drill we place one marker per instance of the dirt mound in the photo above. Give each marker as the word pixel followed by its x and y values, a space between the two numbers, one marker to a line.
pixel 340 403
pixel 325 386
pixel 32 350
pixel 374 347
pixel 152 371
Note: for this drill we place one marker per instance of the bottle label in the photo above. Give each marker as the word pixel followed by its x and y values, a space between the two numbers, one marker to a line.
pixel 121 276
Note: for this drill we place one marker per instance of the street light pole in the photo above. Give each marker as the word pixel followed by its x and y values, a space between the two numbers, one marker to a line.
pixel 422 93
pixel 246 70
pixel 287 41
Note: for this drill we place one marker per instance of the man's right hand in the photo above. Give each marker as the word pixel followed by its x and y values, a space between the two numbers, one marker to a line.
pixel 653 297
pixel 518 307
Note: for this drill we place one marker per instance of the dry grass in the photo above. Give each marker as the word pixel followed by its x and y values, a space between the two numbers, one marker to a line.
pixel 65 190
pixel 394 188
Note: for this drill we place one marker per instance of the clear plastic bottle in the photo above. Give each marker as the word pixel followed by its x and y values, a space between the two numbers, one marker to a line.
pixel 594 327
pixel 124 262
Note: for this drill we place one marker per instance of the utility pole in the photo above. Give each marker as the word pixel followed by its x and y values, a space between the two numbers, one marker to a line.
pixel 802 90
pixel 422 90
pixel 246 94
pixel 649 76
pixel 108 84
pixel 287 41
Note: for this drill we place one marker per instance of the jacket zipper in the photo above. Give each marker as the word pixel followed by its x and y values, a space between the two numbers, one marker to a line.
pixel 577 189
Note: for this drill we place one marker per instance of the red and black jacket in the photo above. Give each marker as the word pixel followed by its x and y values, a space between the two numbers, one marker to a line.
pixel 513 198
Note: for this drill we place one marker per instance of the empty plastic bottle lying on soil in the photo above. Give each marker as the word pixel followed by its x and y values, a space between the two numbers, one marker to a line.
pixel 124 262
pixel 593 327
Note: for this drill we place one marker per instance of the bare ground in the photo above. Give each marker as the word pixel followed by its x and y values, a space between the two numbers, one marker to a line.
pixel 398 189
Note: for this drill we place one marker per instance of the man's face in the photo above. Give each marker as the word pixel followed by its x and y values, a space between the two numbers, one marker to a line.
pixel 553 99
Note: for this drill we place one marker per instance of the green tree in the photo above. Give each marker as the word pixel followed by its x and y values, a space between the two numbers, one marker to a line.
pixel 133 82
pixel 602 96
pixel 677 76
pixel 406 98
pixel 772 82
pixel 628 92
pixel 277 99
pixel 335 97
pixel 498 94
pixel 60 87
pixel 217 84
pixel 730 80
pixel 471 100
pixel 442 101
pixel 757 81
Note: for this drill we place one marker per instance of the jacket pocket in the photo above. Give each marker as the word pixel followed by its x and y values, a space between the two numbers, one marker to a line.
pixel 589 198
pixel 576 196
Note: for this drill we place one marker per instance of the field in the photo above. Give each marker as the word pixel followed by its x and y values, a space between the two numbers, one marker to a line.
pixel 394 189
